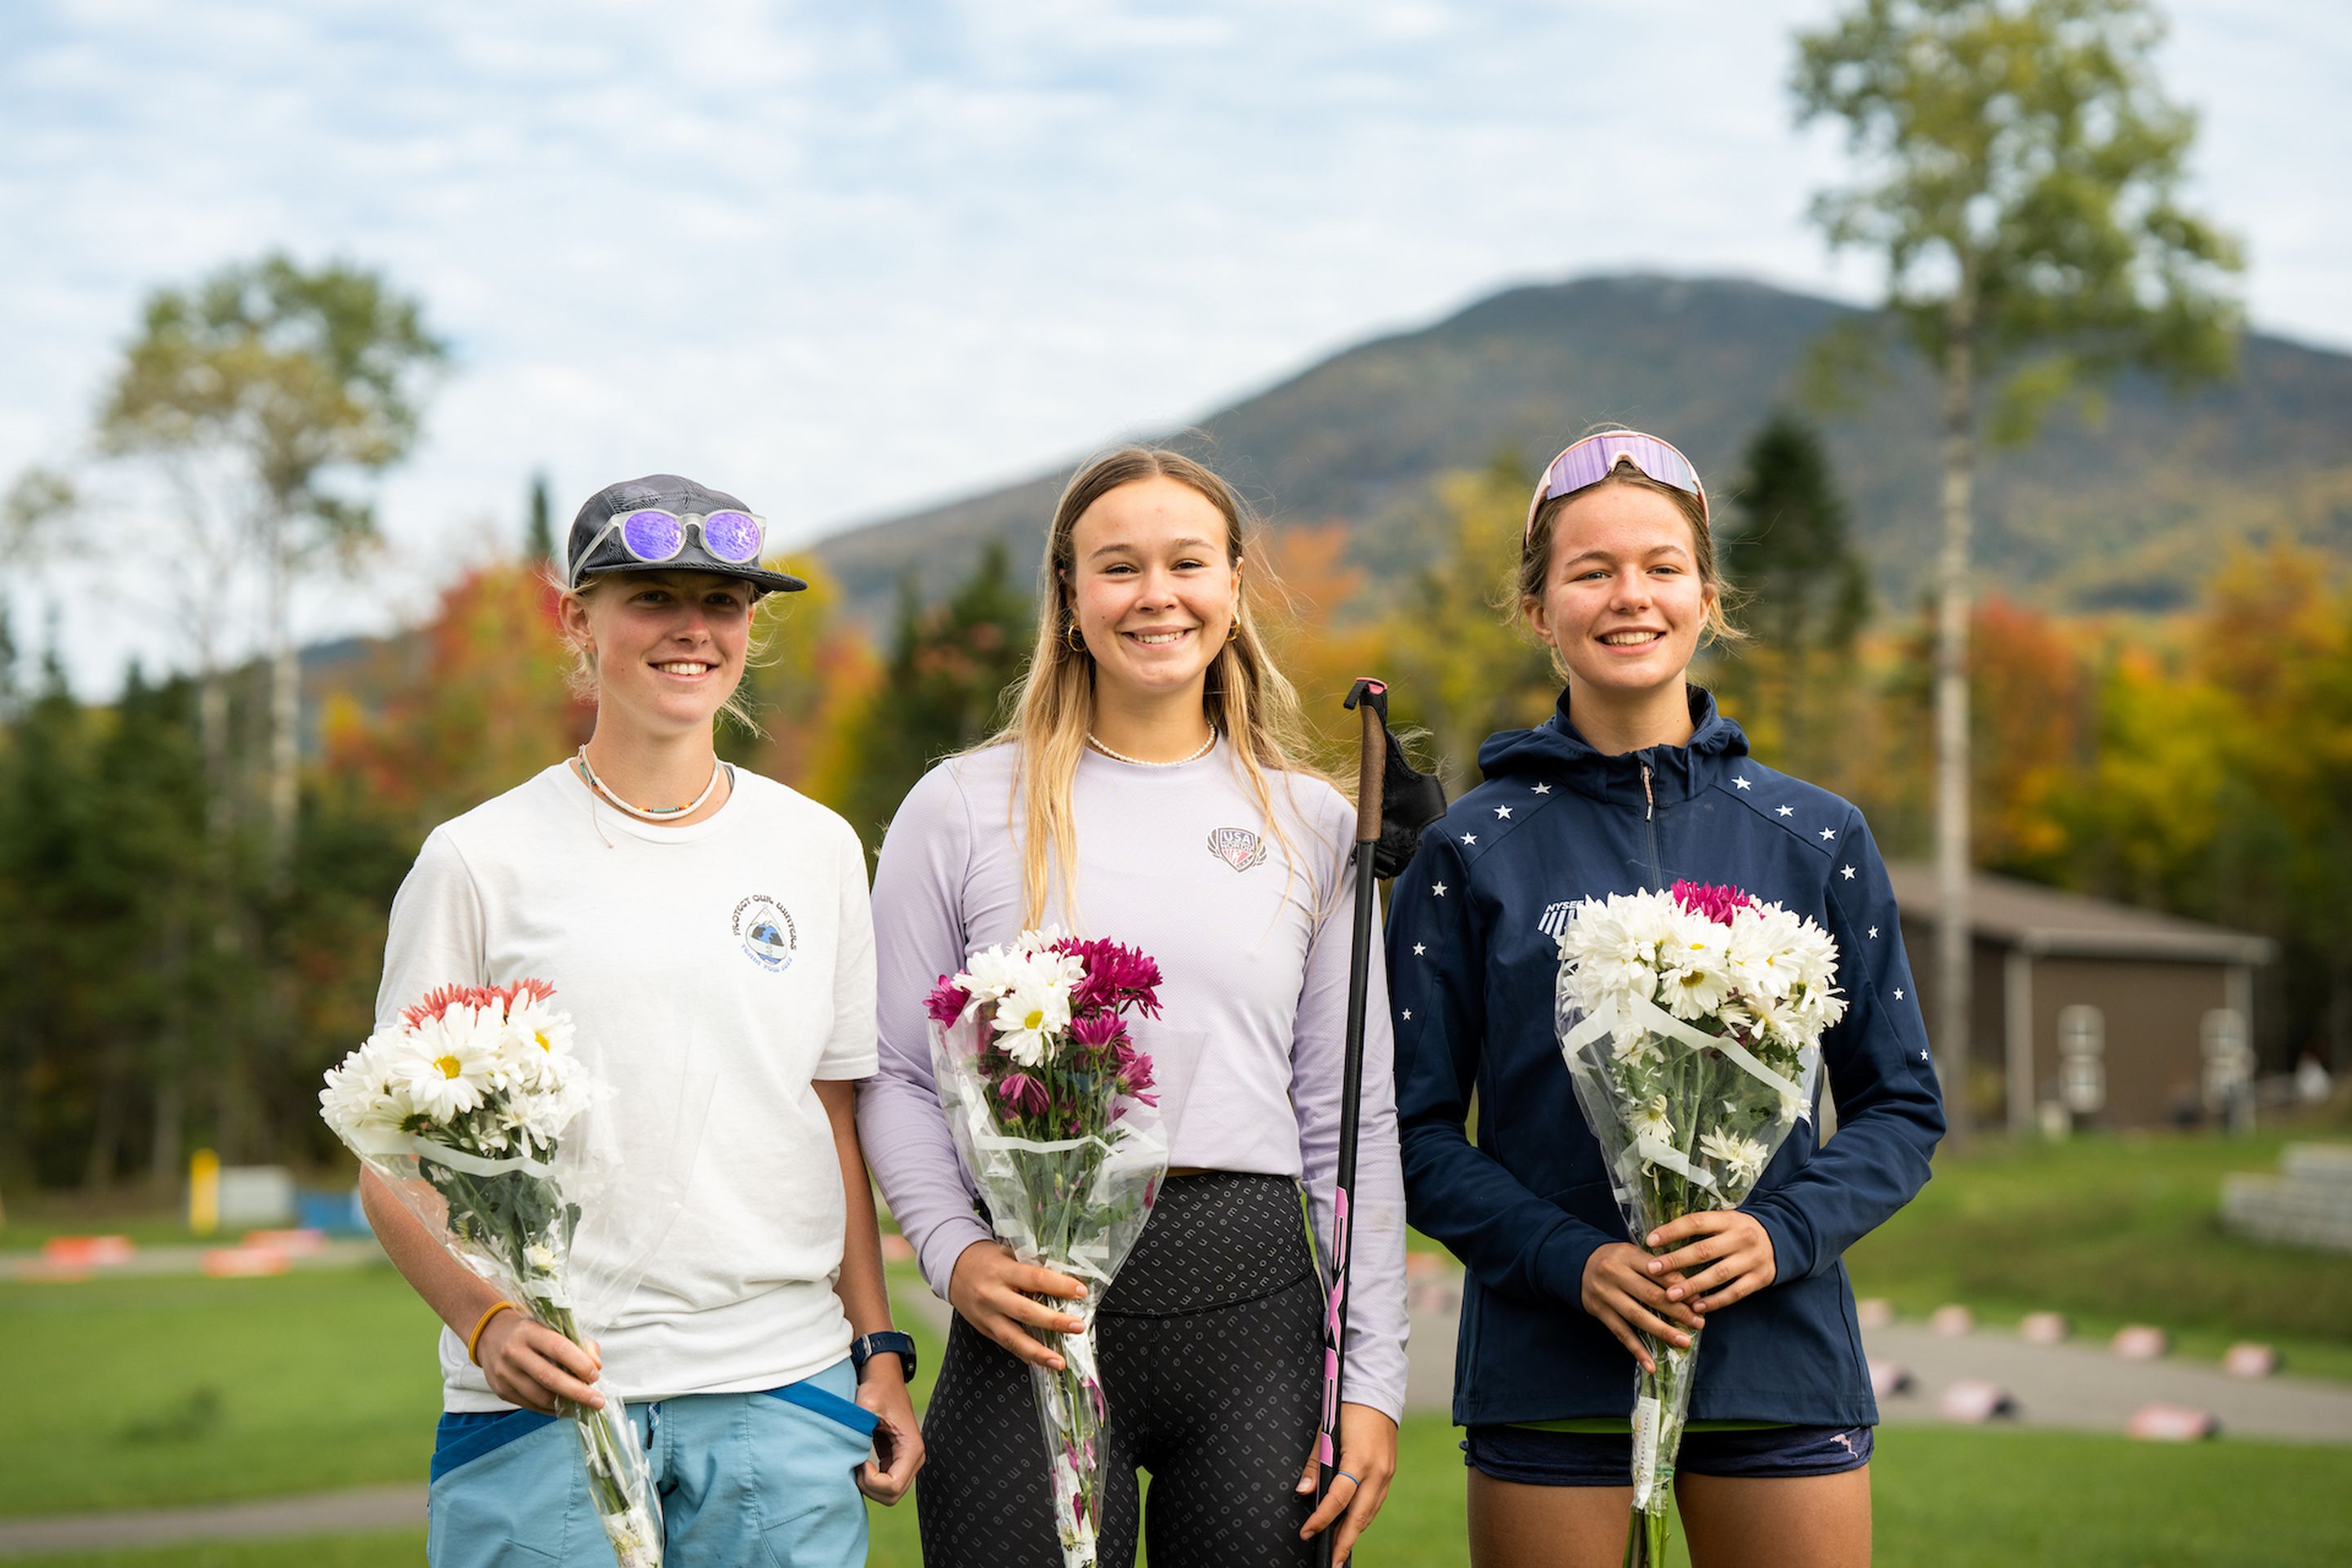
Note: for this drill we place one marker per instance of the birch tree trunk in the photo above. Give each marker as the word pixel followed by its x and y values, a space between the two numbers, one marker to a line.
pixel 285 707
pixel 1953 978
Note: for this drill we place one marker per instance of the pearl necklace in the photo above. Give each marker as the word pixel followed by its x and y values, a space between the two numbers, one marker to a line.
pixel 1139 763
pixel 648 812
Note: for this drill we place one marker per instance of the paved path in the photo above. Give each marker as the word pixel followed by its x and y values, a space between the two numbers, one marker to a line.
pixel 2085 1385
pixel 2080 1385
pixel 360 1511
pixel 346 1252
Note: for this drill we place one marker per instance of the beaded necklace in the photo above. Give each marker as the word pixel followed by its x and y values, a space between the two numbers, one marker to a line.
pixel 648 812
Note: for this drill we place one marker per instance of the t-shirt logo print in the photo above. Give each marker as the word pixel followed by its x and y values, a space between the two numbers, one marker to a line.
pixel 1237 848
pixel 765 929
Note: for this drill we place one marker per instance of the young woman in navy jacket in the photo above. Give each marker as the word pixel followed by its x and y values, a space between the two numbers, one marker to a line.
pixel 1634 783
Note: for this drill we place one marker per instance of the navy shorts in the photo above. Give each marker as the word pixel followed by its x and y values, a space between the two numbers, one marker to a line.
pixel 1537 1458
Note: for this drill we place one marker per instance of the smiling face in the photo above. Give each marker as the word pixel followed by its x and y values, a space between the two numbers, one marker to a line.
pixel 1624 596
pixel 669 646
pixel 1153 585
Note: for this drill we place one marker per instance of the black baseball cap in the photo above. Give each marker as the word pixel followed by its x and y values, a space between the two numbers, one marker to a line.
pixel 595 546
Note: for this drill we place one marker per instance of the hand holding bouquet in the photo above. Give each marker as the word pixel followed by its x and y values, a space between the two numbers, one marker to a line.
pixel 1053 1109
pixel 460 1111
pixel 1692 1022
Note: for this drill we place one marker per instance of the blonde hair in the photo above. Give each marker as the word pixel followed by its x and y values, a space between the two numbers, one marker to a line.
pixel 1534 552
pixel 1245 698
pixel 581 679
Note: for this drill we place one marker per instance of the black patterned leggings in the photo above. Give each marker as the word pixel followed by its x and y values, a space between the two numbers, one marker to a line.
pixel 1212 1356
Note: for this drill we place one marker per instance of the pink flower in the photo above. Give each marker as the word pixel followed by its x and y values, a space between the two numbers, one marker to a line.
pixel 499 997
pixel 1096 1030
pixel 1716 903
pixel 1133 1069
pixel 947 1002
pixel 1023 1095
pixel 1117 978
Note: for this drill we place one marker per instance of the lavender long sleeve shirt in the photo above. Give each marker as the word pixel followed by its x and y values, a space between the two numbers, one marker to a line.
pixel 1253 947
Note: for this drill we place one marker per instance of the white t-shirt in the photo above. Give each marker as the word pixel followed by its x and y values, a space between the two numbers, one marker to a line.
pixel 736 951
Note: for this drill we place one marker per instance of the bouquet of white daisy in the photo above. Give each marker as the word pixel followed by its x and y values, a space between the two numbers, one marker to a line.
pixel 1692 1022
pixel 1056 1112
pixel 460 1111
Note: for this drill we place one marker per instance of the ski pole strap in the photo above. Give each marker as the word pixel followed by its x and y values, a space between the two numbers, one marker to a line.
pixel 1648 1017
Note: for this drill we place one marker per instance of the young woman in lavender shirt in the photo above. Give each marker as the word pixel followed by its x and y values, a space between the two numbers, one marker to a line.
pixel 1151 789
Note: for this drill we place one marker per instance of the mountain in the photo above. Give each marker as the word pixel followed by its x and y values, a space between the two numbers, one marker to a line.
pixel 2130 512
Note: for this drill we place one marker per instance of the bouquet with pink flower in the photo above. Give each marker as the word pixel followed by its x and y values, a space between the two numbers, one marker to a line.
pixel 1055 1111
pixel 1692 1022
pixel 460 1111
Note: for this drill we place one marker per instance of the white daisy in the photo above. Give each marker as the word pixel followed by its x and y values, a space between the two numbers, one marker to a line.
pixel 1028 1017
pixel 448 1065
pixel 1740 1159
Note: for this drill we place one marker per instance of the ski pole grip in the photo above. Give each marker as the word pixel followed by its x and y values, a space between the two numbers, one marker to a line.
pixel 1369 697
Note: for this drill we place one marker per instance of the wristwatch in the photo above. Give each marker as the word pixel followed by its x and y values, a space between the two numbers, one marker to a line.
pixel 889 1341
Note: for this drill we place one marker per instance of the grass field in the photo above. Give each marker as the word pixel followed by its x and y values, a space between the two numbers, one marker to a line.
pixel 2113 1230
pixel 146 1392
pixel 1943 1500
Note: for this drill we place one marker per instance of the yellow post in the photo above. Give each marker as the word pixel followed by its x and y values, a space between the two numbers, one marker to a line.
pixel 203 1192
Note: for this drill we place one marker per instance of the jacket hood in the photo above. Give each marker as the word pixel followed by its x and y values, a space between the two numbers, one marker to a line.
pixel 1554 751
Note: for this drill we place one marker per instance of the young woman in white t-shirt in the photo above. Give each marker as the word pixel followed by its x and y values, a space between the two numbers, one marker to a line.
pixel 699 923
pixel 1152 789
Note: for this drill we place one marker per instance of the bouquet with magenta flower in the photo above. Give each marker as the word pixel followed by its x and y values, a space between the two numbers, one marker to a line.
pixel 1692 1022
pixel 460 1111
pixel 1053 1109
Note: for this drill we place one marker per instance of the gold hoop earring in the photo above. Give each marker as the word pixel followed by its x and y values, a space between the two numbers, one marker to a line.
pixel 1077 643
pixel 1233 629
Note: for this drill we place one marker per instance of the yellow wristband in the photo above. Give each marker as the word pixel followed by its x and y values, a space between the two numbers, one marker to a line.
pixel 475 1338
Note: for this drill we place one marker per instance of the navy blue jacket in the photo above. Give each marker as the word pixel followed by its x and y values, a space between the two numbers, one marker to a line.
pixel 1473 961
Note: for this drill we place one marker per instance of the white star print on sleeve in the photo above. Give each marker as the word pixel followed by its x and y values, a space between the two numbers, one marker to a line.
pixel 1420 948
pixel 1787 810
pixel 1742 783
pixel 1503 811
pixel 1469 839
pixel 1408 1015
pixel 1873 933
pixel 1898 993
pixel 1437 890
pixel 1828 834
pixel 1543 789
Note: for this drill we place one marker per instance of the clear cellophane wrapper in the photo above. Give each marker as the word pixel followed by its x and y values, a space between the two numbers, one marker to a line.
pixel 554 1239
pixel 1076 1205
pixel 1666 1099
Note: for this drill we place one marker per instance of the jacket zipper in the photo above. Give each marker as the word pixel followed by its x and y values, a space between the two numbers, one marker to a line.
pixel 1650 830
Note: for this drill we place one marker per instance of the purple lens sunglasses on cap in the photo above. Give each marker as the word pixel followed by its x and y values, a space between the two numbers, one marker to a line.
pixel 652 536
pixel 1583 463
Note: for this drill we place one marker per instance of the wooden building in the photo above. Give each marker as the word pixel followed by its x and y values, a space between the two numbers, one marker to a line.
pixel 2092 1013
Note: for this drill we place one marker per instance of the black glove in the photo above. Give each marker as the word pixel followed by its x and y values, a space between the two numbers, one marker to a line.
pixel 1409 799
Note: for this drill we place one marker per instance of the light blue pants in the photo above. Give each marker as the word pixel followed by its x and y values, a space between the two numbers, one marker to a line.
pixel 744 1478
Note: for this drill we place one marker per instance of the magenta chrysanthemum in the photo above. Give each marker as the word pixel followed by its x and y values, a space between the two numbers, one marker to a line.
pixel 1023 1095
pixel 1096 1030
pixel 1712 901
pixel 1117 978
pixel 947 1001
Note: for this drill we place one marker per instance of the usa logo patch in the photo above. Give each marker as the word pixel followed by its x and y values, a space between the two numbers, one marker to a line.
pixel 1237 848
pixel 1554 923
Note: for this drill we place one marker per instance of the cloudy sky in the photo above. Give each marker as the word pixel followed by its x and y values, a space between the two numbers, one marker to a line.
pixel 846 258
